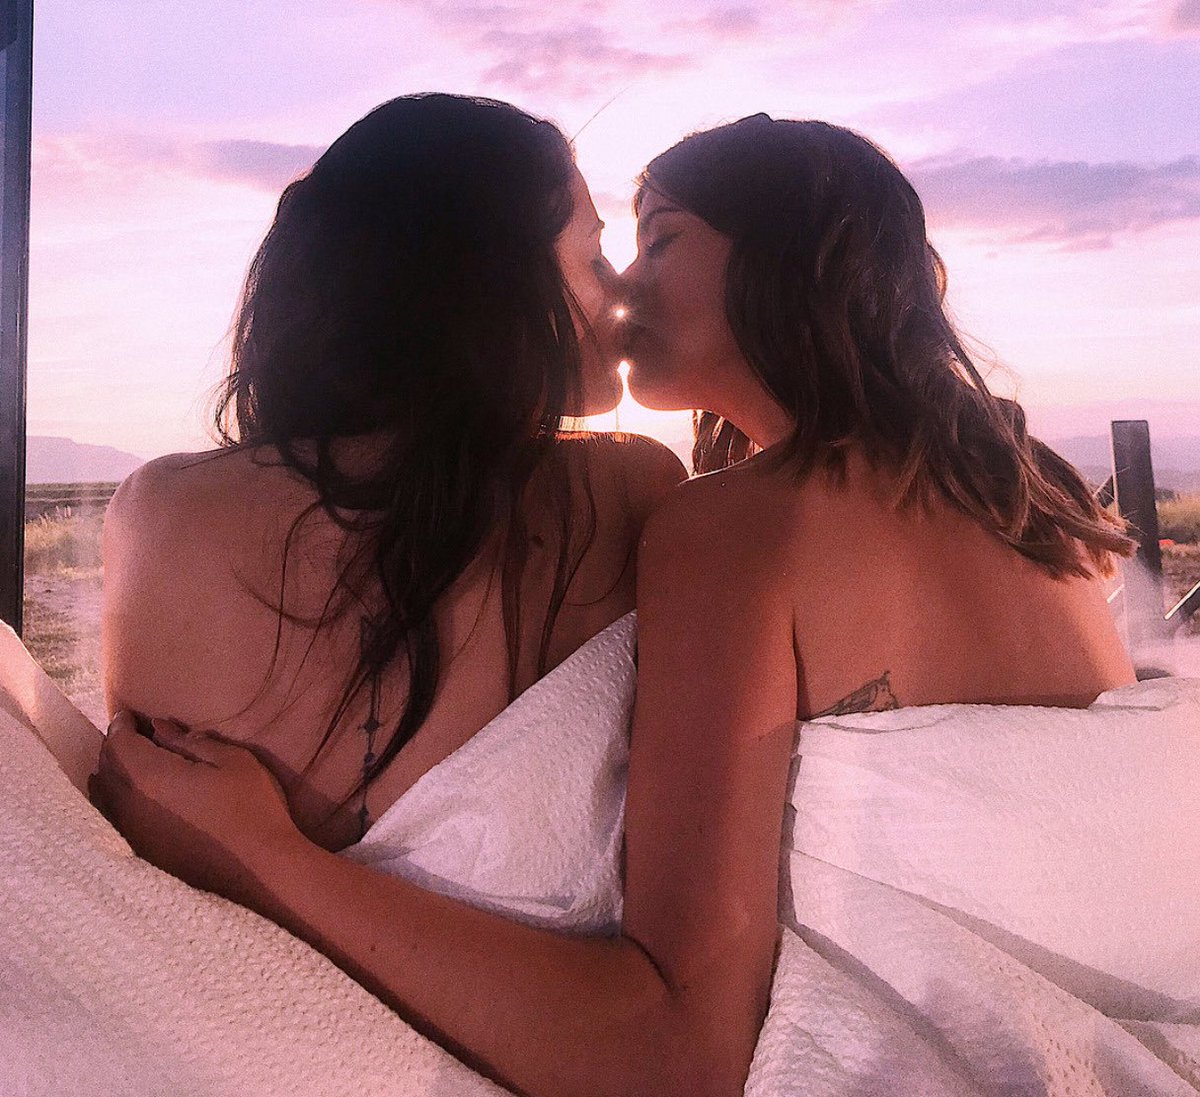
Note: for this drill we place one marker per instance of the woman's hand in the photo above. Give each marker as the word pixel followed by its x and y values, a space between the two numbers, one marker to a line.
pixel 202 809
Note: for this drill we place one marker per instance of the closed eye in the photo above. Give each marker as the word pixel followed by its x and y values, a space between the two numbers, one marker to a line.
pixel 656 246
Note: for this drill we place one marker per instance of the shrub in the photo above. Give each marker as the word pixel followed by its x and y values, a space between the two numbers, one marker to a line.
pixel 1179 519
pixel 64 545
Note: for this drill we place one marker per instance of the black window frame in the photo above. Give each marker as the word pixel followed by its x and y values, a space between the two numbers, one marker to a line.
pixel 16 41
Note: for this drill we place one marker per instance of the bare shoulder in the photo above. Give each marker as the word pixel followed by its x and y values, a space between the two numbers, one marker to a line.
pixel 640 470
pixel 214 493
pixel 648 469
pixel 155 489
pixel 639 454
pixel 145 507
pixel 725 532
pixel 192 555
pixel 729 505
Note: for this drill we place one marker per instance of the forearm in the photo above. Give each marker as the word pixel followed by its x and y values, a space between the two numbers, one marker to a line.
pixel 542 1012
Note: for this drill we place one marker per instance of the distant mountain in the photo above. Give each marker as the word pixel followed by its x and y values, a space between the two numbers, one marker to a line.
pixel 63 461
pixel 1176 460
pixel 1167 418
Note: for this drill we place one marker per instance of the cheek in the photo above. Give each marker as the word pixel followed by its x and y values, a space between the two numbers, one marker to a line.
pixel 694 303
pixel 584 284
pixel 681 360
pixel 589 293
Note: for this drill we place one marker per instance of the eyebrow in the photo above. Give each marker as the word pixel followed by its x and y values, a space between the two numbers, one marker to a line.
pixel 644 222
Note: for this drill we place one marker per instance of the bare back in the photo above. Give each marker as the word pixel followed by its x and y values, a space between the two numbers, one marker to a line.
pixel 194 551
pixel 915 607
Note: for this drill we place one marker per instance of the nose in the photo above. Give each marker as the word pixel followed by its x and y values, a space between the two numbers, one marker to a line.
pixel 632 279
pixel 628 292
pixel 613 285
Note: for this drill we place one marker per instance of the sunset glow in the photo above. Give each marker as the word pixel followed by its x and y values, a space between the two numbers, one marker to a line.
pixel 1057 148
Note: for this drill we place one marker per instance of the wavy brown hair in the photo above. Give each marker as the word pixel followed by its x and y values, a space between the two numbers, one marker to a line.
pixel 409 289
pixel 836 300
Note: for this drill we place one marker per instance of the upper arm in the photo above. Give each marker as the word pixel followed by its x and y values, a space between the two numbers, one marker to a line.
pixel 134 536
pixel 170 595
pixel 712 739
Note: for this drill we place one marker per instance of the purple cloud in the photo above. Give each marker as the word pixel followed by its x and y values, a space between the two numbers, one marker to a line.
pixel 722 23
pixel 1186 16
pixel 524 45
pixel 1079 205
pixel 67 165
pixel 262 164
pixel 579 61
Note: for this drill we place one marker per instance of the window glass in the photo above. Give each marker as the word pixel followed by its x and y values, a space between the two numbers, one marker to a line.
pixel 1059 182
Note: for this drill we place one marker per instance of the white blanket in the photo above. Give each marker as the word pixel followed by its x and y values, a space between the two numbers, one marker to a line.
pixel 117 979
pixel 975 901
pixel 999 900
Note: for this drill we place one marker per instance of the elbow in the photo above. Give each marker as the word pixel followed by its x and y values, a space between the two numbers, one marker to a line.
pixel 682 1055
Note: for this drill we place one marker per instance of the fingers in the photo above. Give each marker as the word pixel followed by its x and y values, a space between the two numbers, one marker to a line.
pixel 195 748
pixel 127 728
pixel 137 750
pixel 131 761
pixel 110 785
pixel 124 723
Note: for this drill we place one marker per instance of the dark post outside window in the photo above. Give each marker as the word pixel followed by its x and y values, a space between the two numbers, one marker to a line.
pixel 16 72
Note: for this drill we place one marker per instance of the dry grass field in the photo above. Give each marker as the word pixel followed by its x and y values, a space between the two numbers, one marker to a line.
pixel 1179 519
pixel 63 582
pixel 1181 572
pixel 1179 522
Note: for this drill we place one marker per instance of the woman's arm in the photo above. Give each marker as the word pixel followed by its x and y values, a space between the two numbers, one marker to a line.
pixel 154 585
pixel 673 1005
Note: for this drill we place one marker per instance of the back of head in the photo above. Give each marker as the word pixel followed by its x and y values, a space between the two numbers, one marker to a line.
pixel 409 281
pixel 835 298
pixel 409 290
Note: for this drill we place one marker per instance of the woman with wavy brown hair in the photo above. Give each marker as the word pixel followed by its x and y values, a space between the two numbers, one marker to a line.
pixel 878 688
pixel 786 286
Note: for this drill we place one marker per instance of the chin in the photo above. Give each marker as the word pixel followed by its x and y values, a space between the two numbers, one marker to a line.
pixel 602 392
pixel 655 389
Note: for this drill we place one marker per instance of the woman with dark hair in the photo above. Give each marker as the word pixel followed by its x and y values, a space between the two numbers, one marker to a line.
pixel 397 536
pixel 923 893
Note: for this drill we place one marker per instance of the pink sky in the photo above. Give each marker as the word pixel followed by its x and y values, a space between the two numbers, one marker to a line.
pixel 1056 144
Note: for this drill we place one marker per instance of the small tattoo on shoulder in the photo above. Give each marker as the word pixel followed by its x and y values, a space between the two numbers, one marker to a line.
pixel 875 696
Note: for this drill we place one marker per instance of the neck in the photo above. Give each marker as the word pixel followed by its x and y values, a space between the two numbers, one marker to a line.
pixel 761 419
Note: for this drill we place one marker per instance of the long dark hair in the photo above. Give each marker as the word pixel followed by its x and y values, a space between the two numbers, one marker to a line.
pixel 835 298
pixel 409 289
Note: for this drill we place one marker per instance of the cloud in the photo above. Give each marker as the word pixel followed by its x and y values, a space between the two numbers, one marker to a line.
pixel 579 61
pixel 262 164
pixel 579 50
pixel 67 166
pixel 722 23
pixel 1186 17
pixel 595 48
pixel 1076 204
pixel 1060 23
pixel 584 51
